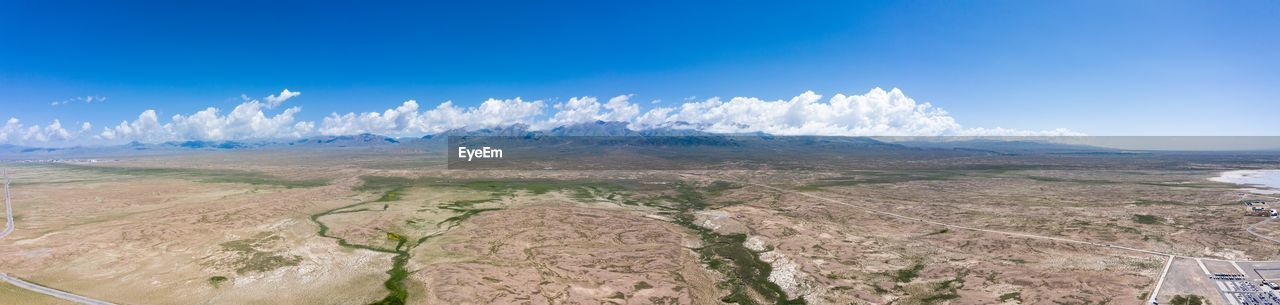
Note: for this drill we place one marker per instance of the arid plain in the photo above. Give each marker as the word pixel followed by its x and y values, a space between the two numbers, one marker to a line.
pixel 356 226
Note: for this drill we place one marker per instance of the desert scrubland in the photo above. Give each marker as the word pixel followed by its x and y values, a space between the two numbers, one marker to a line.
pixel 358 227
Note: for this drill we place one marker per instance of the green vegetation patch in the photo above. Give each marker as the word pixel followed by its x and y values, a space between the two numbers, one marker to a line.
pixel 203 175
pixel 391 195
pixel 396 291
pixel 719 187
pixel 217 280
pixel 465 204
pixel 498 187
pixel 936 292
pixel 392 189
pixel 1017 296
pixel 1197 185
pixel 908 274
pixel 1182 184
pixel 877 289
pixel 1073 180
pixel 252 254
pixel 1158 202
pixel 463 216
pixel 395 282
pixel 1145 219
pixel 642 285
pixel 745 269
pixel 1187 300
pixel 742 268
pixel 878 177
pixel 939 231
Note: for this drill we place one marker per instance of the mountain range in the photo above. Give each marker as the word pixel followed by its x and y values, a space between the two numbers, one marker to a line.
pixel 594 129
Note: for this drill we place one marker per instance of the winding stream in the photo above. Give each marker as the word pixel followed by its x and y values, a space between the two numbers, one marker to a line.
pixel 396 289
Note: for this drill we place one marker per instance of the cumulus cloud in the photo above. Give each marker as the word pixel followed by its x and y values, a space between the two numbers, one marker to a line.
pixel 406 120
pixel 247 120
pixel 588 109
pixel 876 113
pixel 145 128
pixel 15 132
pixel 398 120
pixel 274 101
pixel 86 99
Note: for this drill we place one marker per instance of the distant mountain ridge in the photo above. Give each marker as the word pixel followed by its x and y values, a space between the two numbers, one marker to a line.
pixel 1004 145
pixel 590 129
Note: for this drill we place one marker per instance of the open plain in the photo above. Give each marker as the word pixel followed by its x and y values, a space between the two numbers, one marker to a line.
pixel 360 226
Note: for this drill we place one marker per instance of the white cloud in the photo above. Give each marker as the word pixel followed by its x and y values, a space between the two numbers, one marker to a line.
pixel 14 132
pixel 493 113
pixel 146 128
pixel 619 109
pixel 392 121
pixel 654 118
pixel 274 101
pixel 406 120
pixel 876 113
pixel 246 121
pixel 587 109
pixel 86 99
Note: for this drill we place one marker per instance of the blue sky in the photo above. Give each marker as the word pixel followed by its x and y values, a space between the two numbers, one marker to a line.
pixel 1096 67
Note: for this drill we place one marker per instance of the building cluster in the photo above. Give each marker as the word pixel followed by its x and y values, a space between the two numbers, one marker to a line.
pixel 1259 208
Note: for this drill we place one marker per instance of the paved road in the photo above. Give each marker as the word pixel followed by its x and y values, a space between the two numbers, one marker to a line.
pixel 8 208
pixel 1156 292
pixel 1250 229
pixel 50 291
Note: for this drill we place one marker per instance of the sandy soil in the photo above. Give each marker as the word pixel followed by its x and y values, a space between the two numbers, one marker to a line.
pixel 555 253
pixel 138 240
pixel 170 238
pixel 14 295
pixel 1186 278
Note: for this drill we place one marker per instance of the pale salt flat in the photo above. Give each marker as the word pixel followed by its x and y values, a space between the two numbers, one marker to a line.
pixel 1261 181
